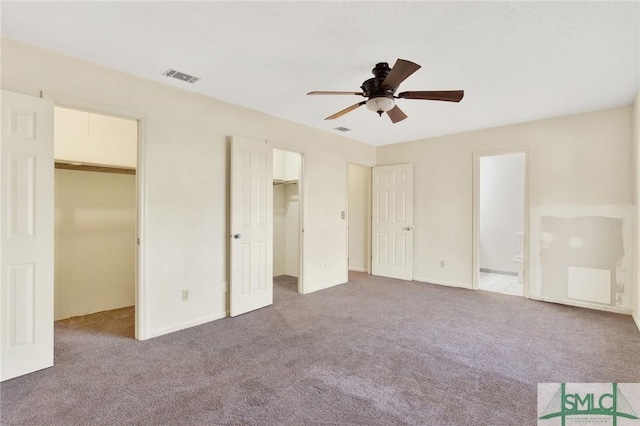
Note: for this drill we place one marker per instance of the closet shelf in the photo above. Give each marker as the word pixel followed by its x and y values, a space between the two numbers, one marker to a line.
pixel 94 168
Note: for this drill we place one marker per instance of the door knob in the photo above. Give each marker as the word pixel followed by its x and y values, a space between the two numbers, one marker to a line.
pixel 236 236
pixel 408 228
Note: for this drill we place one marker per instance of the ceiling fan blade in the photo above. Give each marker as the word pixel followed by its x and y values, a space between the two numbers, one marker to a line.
pixel 322 92
pixel 346 110
pixel 442 95
pixel 399 73
pixel 396 114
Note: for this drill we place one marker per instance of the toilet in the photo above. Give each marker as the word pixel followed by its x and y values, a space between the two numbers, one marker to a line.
pixel 518 259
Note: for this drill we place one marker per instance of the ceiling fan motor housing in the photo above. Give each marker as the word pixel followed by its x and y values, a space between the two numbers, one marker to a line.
pixel 381 70
pixel 380 98
pixel 373 88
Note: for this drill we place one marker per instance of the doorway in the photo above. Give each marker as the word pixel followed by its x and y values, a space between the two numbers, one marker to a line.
pixel 359 218
pixel 95 211
pixel 500 223
pixel 287 223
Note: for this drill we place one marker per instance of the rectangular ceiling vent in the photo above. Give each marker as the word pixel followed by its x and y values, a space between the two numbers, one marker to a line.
pixel 181 76
pixel 342 129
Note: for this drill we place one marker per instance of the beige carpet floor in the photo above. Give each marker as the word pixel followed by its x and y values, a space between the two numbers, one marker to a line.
pixel 373 351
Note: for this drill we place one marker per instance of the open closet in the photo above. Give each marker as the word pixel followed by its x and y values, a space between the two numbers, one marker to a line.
pixel 95 213
pixel 286 215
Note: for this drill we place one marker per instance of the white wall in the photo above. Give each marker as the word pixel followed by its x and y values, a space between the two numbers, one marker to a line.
pixel 359 216
pixel 636 177
pixel 279 214
pixel 95 240
pixel 286 230
pixel 292 230
pixel 579 173
pixel 89 138
pixel 501 211
pixel 186 174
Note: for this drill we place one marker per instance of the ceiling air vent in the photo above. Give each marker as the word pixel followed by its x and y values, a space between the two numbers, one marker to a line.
pixel 342 129
pixel 181 76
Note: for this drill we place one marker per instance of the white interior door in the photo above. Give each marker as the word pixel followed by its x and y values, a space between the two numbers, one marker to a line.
pixel 251 283
pixel 392 221
pixel 27 234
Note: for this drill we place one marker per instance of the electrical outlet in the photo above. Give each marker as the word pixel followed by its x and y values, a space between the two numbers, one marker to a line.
pixel 185 295
pixel 442 263
pixel 325 265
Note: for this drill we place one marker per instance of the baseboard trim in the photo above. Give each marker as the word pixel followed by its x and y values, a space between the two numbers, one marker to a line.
pixel 184 325
pixel 440 282
pixel 636 319
pixel 352 268
pixel 587 305
pixel 495 271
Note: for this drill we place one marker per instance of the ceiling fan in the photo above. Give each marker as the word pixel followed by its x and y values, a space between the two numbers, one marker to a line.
pixel 380 91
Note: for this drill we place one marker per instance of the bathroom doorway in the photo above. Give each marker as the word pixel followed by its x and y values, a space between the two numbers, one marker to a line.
pixel 500 219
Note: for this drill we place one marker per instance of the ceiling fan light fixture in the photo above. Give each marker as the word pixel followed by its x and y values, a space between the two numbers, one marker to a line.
pixel 381 104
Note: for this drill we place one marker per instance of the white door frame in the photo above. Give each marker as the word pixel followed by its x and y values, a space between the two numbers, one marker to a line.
pixel 368 235
pixel 476 214
pixel 141 301
pixel 302 190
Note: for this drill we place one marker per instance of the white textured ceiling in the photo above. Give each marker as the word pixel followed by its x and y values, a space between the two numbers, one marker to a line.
pixel 516 61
